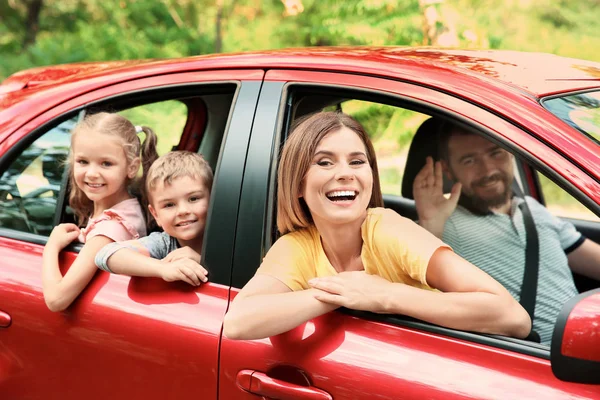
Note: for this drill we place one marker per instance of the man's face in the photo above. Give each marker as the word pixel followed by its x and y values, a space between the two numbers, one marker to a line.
pixel 484 169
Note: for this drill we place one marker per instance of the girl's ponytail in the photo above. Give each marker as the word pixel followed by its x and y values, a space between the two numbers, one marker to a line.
pixel 148 152
pixel 148 156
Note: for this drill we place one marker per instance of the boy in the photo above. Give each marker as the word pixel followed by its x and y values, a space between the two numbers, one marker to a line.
pixel 178 187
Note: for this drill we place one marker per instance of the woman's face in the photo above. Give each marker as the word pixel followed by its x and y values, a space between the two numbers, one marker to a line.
pixel 338 184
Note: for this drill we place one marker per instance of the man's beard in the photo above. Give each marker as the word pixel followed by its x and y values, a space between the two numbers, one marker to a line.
pixel 483 205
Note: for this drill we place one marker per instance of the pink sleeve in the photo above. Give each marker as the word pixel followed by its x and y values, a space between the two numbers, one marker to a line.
pixel 113 226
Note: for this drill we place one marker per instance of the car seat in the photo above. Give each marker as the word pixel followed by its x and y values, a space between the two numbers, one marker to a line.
pixel 424 144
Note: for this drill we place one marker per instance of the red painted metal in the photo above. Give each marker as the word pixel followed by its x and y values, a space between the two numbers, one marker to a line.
pixel 5 319
pixel 27 104
pixel 140 338
pixel 352 358
pixel 244 379
pixel 545 127
pixel 581 337
pixel 525 75
pixel 263 385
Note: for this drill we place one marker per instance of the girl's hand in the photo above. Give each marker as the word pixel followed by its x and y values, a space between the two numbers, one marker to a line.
pixel 184 252
pixel 356 290
pixel 62 235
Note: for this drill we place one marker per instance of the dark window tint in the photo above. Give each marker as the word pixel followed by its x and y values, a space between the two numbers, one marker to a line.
pixel 30 186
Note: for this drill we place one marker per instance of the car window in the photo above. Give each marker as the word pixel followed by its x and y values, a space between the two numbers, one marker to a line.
pixel 166 118
pixel 30 186
pixel 562 204
pixel 391 129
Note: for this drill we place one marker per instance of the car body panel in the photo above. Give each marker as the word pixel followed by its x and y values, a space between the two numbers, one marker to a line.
pixel 513 74
pixel 352 358
pixel 120 331
pixel 124 337
pixel 44 98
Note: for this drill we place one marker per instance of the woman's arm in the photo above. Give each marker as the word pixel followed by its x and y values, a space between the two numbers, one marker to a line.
pixel 60 291
pixel 469 300
pixel 266 307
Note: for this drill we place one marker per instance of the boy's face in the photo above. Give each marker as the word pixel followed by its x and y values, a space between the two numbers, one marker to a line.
pixel 180 207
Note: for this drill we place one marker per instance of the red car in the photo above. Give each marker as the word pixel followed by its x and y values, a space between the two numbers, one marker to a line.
pixel 144 338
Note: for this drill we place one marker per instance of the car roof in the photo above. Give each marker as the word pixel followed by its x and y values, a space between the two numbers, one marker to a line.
pixel 531 75
pixel 537 73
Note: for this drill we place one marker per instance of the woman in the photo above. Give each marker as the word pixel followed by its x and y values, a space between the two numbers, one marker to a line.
pixel 340 248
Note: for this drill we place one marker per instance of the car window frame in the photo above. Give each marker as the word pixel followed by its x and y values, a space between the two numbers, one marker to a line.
pixel 421 105
pixel 127 91
pixel 13 153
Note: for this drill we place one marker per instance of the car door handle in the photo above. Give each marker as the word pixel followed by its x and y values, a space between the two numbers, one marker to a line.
pixel 259 383
pixel 5 320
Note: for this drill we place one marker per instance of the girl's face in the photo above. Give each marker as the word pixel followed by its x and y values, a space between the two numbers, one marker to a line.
pixel 100 168
pixel 338 184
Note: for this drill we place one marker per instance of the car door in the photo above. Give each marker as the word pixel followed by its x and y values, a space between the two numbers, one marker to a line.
pixel 122 337
pixel 354 355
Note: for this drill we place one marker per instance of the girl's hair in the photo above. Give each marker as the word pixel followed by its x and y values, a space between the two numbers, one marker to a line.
pixel 296 158
pixel 115 125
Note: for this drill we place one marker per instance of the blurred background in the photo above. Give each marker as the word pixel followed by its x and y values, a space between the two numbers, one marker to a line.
pixel 45 32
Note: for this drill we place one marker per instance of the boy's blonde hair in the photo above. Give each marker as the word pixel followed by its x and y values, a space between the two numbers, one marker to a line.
pixel 177 164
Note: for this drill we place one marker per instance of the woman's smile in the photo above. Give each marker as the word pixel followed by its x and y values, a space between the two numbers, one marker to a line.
pixel 338 184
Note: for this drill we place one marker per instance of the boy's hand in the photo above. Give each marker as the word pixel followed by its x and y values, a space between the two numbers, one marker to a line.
pixel 62 235
pixel 184 269
pixel 184 252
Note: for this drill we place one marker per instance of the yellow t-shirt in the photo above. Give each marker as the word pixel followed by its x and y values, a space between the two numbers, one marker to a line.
pixel 394 248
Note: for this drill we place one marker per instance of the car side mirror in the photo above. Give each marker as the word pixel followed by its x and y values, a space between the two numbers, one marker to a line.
pixel 575 348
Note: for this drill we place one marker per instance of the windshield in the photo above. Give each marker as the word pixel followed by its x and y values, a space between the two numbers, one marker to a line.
pixel 581 111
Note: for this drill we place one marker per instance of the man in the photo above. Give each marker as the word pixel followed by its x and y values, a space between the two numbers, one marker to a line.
pixel 482 222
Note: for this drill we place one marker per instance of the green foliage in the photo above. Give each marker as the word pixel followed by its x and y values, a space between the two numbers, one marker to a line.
pixel 89 30
pixel 166 119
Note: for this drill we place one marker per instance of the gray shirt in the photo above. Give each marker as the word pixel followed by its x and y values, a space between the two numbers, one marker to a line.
pixel 496 244
pixel 158 244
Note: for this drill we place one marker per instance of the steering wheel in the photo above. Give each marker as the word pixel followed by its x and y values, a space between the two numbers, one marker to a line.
pixel 15 196
pixel 19 201
pixel 36 193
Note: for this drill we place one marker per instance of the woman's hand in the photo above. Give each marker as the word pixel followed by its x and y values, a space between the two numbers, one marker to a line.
pixel 356 290
pixel 62 235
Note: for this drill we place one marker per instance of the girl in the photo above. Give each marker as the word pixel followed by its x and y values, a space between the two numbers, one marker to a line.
pixel 105 158
pixel 339 248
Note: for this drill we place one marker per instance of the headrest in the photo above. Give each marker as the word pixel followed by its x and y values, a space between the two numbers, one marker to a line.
pixel 53 165
pixel 424 144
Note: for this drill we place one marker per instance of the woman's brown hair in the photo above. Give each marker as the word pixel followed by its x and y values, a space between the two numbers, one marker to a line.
pixel 296 157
